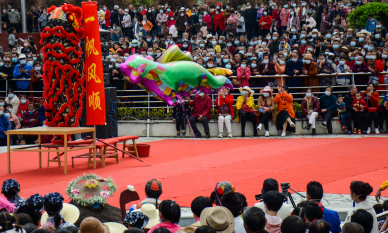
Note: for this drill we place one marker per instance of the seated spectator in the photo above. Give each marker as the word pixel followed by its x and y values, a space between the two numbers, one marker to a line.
pixel 319 226
pixel 313 212
pixel 30 120
pixel 359 192
pixel 10 189
pixel 234 203
pixel 267 109
pixel 271 184
pixel 365 219
pixel 137 220
pixel 92 224
pixel 293 224
pixel 254 220
pixel 169 213
pixel 29 227
pixel 7 223
pixel 36 76
pixel 225 113
pixel 218 218
pixel 286 115
pixel 22 71
pixel 315 193
pixel 201 104
pixel 244 74
pixel 310 69
pixel 294 66
pixel 197 206
pixel 266 67
pixel 371 97
pixel 280 67
pixel 379 209
pixel 23 106
pixel 324 67
pixel 53 204
pixel 360 108
pixel 342 67
pixel 273 201
pixel 116 33
pixel 383 115
pixel 13 100
pixel 22 219
pixel 311 109
pixel 115 72
pixel 153 191
pixel 180 112
pixel 352 227
pixel 42 117
pixel 328 104
pixel 13 119
pixel 4 127
pixel 245 110
pixel 202 229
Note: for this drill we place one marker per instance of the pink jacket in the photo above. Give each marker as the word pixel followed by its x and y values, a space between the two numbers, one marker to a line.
pixel 171 226
pixel 245 78
pixel 15 120
pixel 273 224
pixel 284 17
pixel 207 19
pixel 233 18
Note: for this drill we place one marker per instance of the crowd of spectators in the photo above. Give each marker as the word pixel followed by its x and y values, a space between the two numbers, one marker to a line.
pixel 226 210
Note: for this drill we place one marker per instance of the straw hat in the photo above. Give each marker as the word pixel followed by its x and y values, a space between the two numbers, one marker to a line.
pixel 363 31
pixel 188 229
pixel 69 212
pixel 247 89
pixel 308 56
pixel 115 227
pixel 219 218
pixel 314 31
pixel 93 225
pixel 151 212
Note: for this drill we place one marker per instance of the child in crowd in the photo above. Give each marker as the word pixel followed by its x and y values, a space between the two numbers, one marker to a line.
pixel 341 108
pixel 312 212
pixel 180 111
pixel 244 74
pixel 359 106
pixel 23 106
pixel 197 206
pixel 273 201
pixel 153 191
pixel 383 115
pixel 169 213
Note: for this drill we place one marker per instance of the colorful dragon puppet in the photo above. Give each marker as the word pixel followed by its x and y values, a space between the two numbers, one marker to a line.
pixel 174 77
pixel 63 77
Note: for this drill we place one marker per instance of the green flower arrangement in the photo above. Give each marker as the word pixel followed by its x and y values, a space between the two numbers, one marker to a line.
pixel 91 189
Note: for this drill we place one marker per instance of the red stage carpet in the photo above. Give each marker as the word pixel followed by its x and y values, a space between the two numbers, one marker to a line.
pixel 180 165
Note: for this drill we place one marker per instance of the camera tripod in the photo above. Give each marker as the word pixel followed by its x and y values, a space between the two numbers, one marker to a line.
pixel 287 194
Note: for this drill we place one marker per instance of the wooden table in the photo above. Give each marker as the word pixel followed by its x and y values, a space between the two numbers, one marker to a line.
pixel 58 131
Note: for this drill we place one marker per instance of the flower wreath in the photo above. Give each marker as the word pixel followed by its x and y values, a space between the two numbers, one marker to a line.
pixel 221 189
pixel 90 189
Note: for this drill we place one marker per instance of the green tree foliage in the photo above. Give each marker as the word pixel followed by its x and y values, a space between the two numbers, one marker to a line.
pixel 358 18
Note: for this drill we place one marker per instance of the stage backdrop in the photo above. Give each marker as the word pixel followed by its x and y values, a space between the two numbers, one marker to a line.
pixel 95 96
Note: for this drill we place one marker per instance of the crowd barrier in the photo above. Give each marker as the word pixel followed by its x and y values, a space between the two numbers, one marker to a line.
pixel 140 99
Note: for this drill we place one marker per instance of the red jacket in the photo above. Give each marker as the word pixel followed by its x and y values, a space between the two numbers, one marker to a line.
pixel 244 77
pixel 228 100
pixel 23 108
pixel 219 20
pixel 28 117
pixel 268 20
pixel 202 106
pixel 170 22
pixel 358 103
pixel 107 18
pixel 374 98
pixel 169 14
pixel 379 67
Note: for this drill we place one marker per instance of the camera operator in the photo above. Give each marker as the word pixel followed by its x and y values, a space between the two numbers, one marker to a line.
pixel 271 184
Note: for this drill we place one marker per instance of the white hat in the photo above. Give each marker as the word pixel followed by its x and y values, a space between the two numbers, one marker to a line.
pixel 69 212
pixel 126 10
pixel 151 212
pixel 315 31
pixel 363 31
pixel 115 227
pixel 21 56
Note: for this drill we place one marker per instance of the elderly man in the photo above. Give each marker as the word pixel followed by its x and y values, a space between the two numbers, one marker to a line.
pixel 114 15
pixel 202 104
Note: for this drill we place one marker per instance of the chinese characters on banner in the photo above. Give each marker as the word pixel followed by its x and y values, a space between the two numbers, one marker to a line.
pixel 95 95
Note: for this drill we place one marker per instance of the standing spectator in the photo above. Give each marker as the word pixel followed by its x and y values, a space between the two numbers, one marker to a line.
pixel 328 104
pixel 36 78
pixel 383 115
pixel 179 114
pixel 11 38
pixel 127 23
pixel 325 20
pixel 293 20
pixel 267 109
pixel 14 19
pixel 244 74
pixel 286 114
pixel 240 24
pixel 180 23
pixel 371 24
pixel 160 18
pixel 245 110
pixel 30 21
pixel 201 112
pixel 225 113
pixel 36 16
pixel 294 67
pixel 31 119
pixel 218 21
pixel 43 19
pixel 114 16
pixel 371 97
pixel 5 20
pixel 147 25
pixel 107 16
pixel 4 127
pixel 336 12
pixel 311 109
pixel 251 22
pixel 310 69
pixel 265 23
pixel 22 71
pixel 283 19
pixel 13 100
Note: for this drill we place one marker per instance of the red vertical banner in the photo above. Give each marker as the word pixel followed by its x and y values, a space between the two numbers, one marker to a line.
pixel 95 95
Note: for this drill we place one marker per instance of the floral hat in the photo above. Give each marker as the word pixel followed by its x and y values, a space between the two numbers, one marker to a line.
pixel 35 201
pixel 8 184
pixel 224 187
pixel 90 189
pixel 53 198
pixel 134 217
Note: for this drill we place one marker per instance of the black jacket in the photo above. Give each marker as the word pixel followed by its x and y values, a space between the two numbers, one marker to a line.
pixel 8 71
pixel 118 75
pixel 274 46
pixel 251 16
pixel 348 99
pixel 114 18
pixel 179 111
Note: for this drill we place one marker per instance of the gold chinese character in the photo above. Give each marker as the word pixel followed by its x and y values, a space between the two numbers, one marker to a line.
pixel 89 47
pixel 94 100
pixel 92 73
pixel 90 19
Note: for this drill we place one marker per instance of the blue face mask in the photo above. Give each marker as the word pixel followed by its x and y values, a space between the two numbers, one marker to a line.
pixel 342 63
pixel 228 66
pixel 206 58
pixel 8 115
pixel 31 111
pixel 328 93
pixel 244 93
pixel 14 60
pixel 265 94
pixel 303 42
pixel 260 54
pixel 11 96
pixel 1 113
pixel 352 44
pixel 117 65
pixel 308 94
pixel 370 48
pixel 225 60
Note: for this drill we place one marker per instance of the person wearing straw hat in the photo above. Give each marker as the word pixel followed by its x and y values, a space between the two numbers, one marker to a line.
pixel 219 218
pixel 93 225
pixel 267 109
pixel 136 221
pixel 286 114
pixel 310 69
pixel 245 108
pixel 224 102
pixel 115 227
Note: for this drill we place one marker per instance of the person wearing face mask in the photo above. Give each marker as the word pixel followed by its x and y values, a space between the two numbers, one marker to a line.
pixel 224 104
pixel 180 113
pixel 22 71
pixel 240 24
pixel 293 23
pixel 310 69
pixel 311 109
pixel 360 67
pixel 4 127
pixel 266 67
pixel 126 23
pixel 245 109
pixel 328 105
pixel 7 69
pixel 23 106
pixel 107 16
pixel 294 67
pixel 359 192
pixel 267 109
pixel 274 44
pixel 243 74
pixel 201 104
pixel 36 78
pixel 207 19
pixel 161 17
pixel 371 23
pixel 280 67
pixel 30 119
pixel 114 15
pixel 13 100
pixel 218 20
pixel 115 73
pixel 193 22
pixel 324 67
pixel 286 115
pixel 116 33
pixel 265 22
pixel 283 17
pixel 181 23
pixel 13 120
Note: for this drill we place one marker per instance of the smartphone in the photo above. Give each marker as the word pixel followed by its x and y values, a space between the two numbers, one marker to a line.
pixel 261 110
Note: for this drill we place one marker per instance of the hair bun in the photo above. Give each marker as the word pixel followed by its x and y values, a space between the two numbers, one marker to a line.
pixel 366 188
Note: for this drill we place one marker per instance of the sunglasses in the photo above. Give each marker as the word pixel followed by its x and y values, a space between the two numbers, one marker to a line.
pixel 7 62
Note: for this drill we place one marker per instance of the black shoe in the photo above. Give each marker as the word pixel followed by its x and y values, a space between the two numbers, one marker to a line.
pixel 243 134
pixel 382 131
pixel 314 132
pixel 178 134
pixel 207 135
pixel 198 135
pixel 308 127
pixel 324 125
pixel 183 133
pixel 349 132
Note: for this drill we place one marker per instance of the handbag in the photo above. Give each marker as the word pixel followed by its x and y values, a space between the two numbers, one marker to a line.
pixel 236 82
pixel 300 115
pixel 224 110
pixel 374 79
pixel 370 109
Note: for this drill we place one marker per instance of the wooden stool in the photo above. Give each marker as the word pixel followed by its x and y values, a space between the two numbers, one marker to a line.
pixel 58 159
pixel 101 152
pixel 124 140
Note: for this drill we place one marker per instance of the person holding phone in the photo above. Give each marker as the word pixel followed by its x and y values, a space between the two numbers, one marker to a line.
pixel 267 109
pixel 244 106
